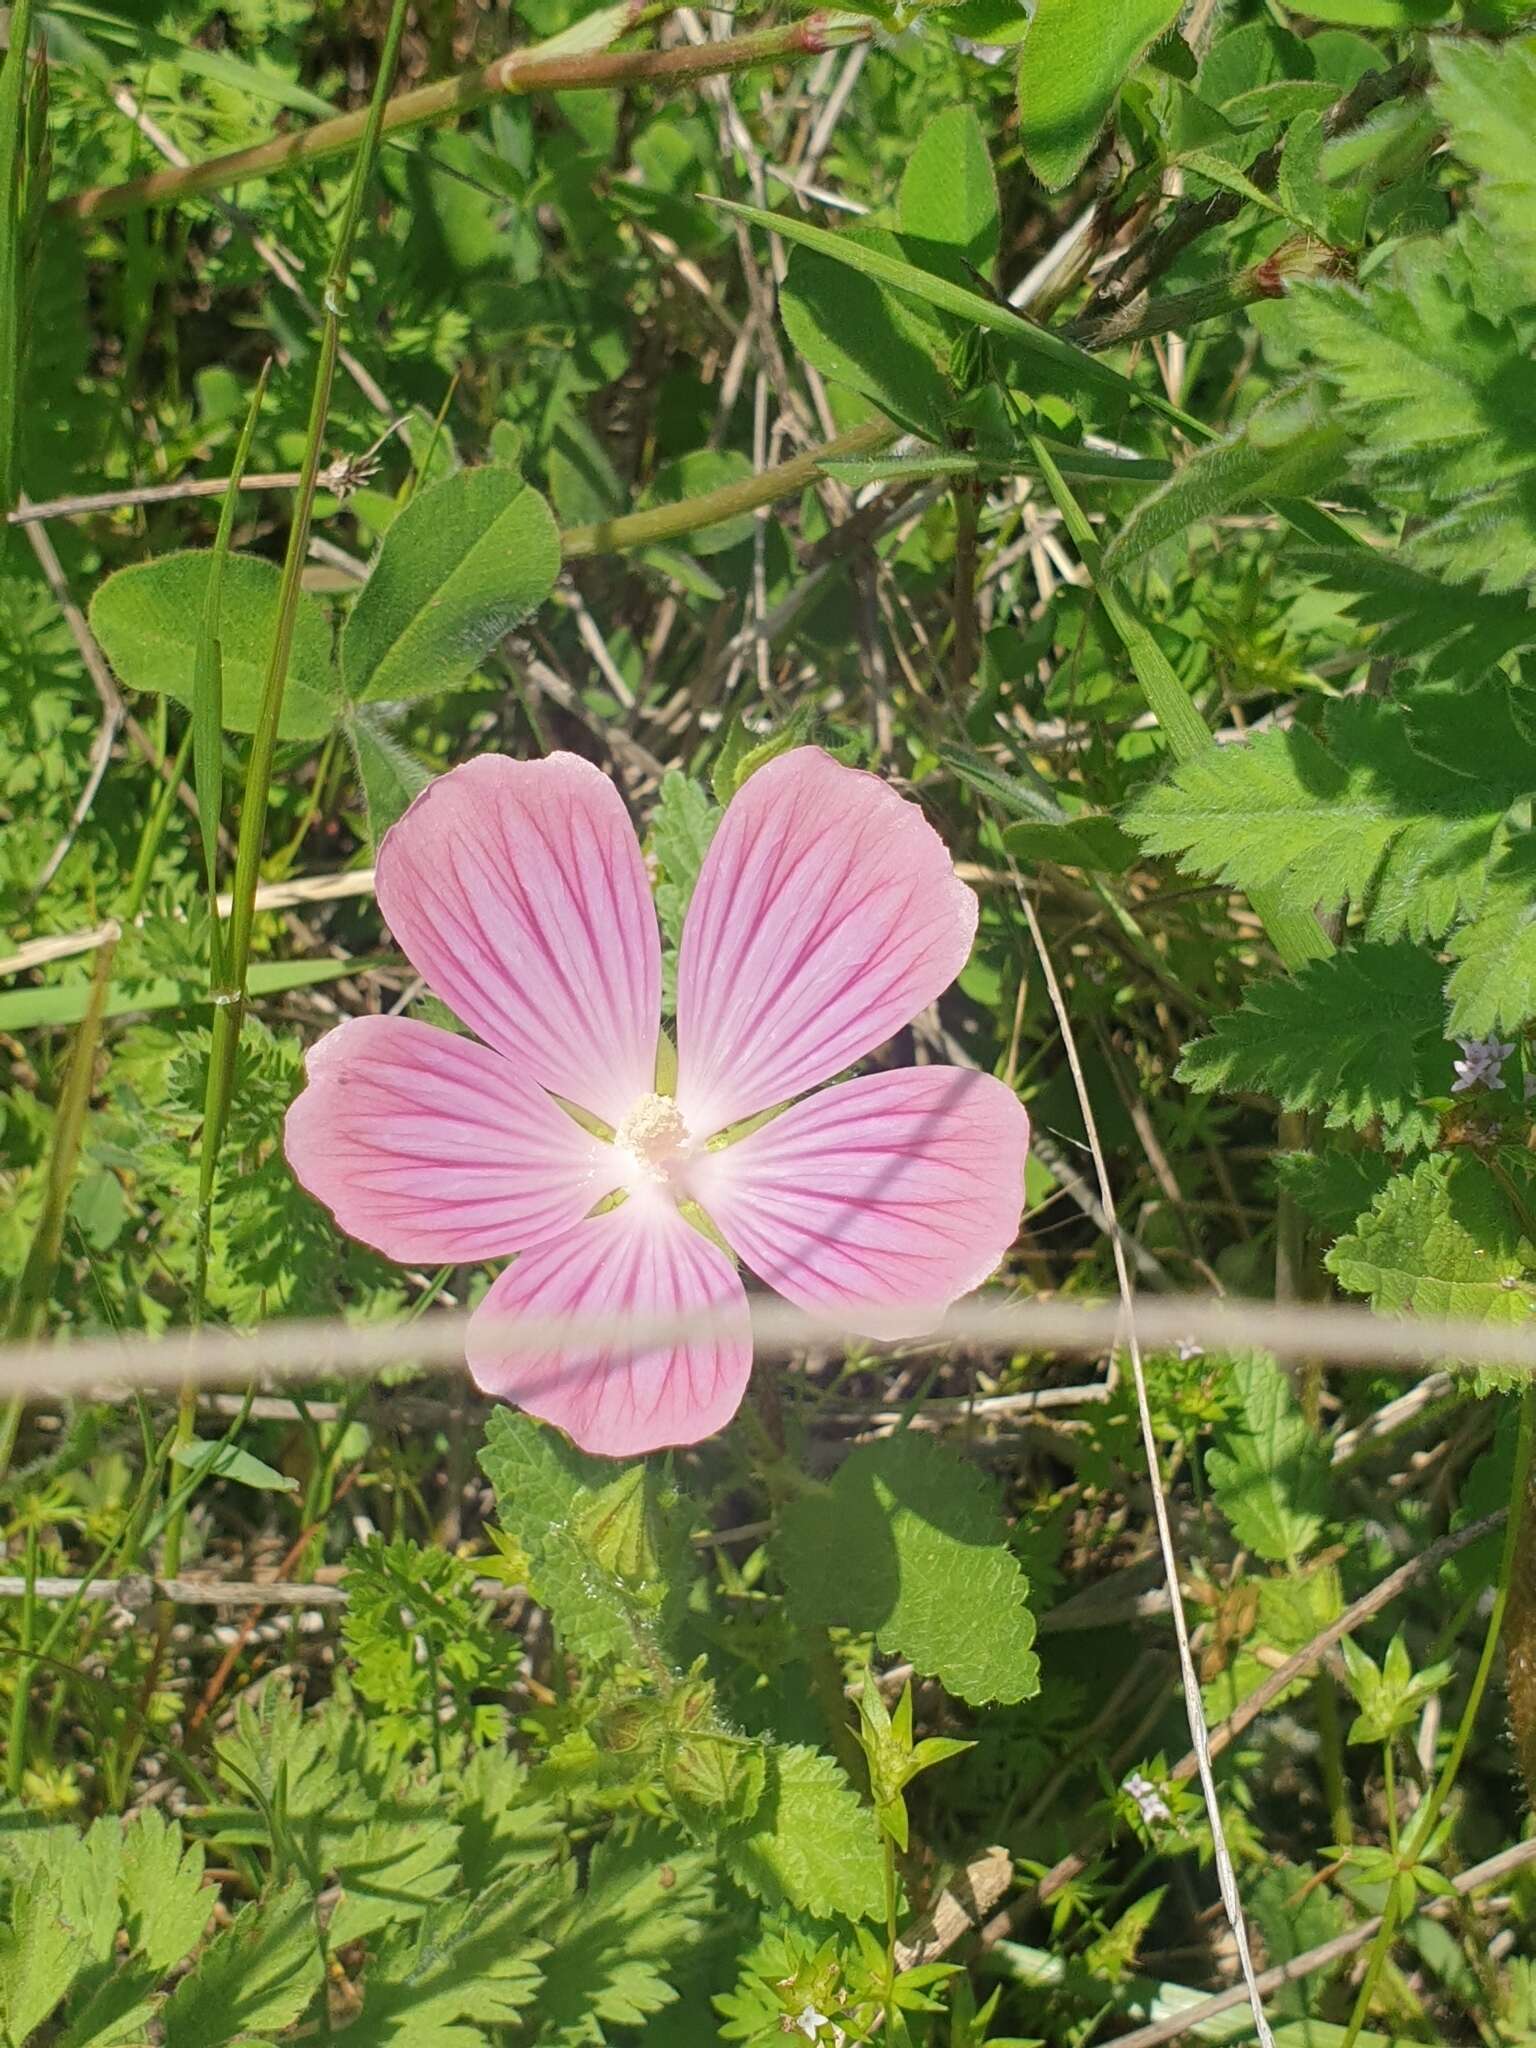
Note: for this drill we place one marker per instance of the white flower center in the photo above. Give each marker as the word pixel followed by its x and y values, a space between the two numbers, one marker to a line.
pixel 654 1136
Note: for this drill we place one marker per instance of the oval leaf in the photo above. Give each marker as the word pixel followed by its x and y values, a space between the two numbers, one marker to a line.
pixel 949 190
pixel 147 619
pixel 465 561
pixel 1076 57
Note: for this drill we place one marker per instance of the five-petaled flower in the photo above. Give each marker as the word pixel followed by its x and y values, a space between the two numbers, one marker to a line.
pixel 827 914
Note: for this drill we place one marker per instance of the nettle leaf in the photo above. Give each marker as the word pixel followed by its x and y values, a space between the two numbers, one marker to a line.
pixel 1269 1472
pixel 948 195
pixel 1077 54
pixel 1402 813
pixel 254 1978
pixel 812 1844
pixel 923 1565
pixel 148 619
pixel 1360 1036
pixel 1486 95
pixel 1444 1240
pixel 467 560
pixel 1454 629
pixel 1286 448
pixel 609 1556
pixel 623 1938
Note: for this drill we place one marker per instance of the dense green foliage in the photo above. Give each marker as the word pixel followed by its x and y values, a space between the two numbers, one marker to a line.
pixel 1114 423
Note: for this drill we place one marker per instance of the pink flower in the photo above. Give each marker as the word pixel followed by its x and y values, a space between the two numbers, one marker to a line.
pixel 827 914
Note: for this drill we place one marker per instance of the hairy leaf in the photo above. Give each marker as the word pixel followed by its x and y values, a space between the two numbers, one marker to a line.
pixel 1441 1241
pixel 1486 95
pixel 148 619
pixel 923 1565
pixel 467 560
pixel 811 1844
pixel 1269 1472
pixel 1360 1036
pixel 255 1977
pixel 618 1945
pixel 1076 56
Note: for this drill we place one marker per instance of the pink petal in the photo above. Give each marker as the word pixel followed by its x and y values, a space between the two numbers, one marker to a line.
pixel 880 1200
pixel 517 890
pixel 432 1149
pixel 827 914
pixel 641 1260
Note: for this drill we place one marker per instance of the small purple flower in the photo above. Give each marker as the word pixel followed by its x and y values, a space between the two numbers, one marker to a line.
pixel 1481 1064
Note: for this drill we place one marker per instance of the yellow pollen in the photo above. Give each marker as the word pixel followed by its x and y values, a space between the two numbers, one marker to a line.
pixel 653 1131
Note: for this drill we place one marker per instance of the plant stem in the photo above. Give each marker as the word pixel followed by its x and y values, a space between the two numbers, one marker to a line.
pixel 1422 1826
pixel 688 515
pixel 520 72
pixel 16 1753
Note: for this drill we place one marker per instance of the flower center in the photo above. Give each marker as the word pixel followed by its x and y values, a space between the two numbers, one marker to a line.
pixel 654 1135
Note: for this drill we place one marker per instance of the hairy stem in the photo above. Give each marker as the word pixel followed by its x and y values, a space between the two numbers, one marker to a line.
pixel 520 72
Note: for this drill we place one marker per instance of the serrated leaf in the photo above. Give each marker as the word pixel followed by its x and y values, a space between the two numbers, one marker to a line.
pixel 254 1978
pixel 468 1965
pixel 811 1844
pixel 617 1946
pixel 682 826
pixel 948 193
pixel 41 1954
pixel 1334 1188
pixel 1269 1472
pixel 1441 1241
pixel 1403 812
pixel 467 560
pixel 1486 95
pixel 545 1493
pixel 148 619
pixel 923 1565
pixel 1284 449
pixel 1077 54
pixel 393 1869
pixel 165 1902
pixel 1493 985
pixel 1360 1037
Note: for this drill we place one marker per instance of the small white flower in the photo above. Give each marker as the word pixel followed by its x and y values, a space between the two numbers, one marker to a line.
pixel 1481 1064
pixel 809 2022
pixel 1150 1803
pixel 1188 1349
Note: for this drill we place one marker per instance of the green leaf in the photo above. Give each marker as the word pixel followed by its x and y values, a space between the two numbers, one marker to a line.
pixel 254 1978
pixel 461 1968
pixel 1077 54
pixel 467 560
pixel 215 1460
pixel 622 1940
pixel 811 1844
pixel 29 1009
pixel 391 776
pixel 1270 1472
pixel 1399 14
pixel 1098 845
pixel 1333 1187
pixel 1486 95
pixel 1072 367
pixel 1493 986
pixel 682 826
pixel 854 331
pixel 1360 1037
pixel 40 1956
pixel 923 1565
pixel 550 1497
pixel 1404 813
pixel 165 1902
pixel 948 194
pixel 148 619
pixel 395 1868
pixel 1441 1241
pixel 1284 449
